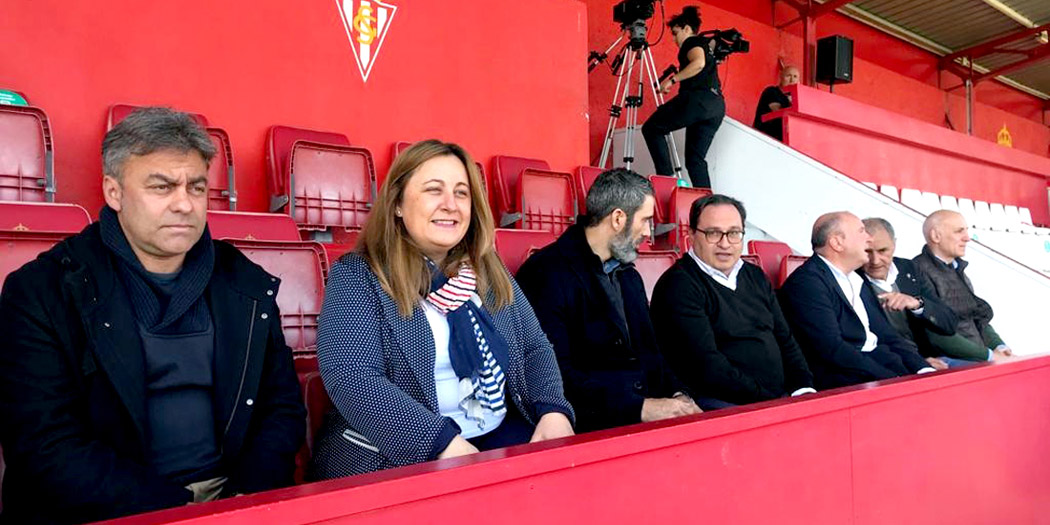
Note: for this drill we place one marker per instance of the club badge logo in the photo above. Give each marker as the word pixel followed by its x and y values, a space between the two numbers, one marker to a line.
pixel 367 23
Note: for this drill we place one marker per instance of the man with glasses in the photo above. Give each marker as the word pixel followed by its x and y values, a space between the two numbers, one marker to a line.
pixel 717 319
pixel 591 303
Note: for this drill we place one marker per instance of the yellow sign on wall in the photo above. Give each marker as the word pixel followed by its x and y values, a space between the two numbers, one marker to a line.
pixel 1004 138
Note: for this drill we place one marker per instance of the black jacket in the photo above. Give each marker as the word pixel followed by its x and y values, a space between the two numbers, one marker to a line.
pixel 608 368
pixel 73 387
pixel 740 352
pixel 935 317
pixel 826 326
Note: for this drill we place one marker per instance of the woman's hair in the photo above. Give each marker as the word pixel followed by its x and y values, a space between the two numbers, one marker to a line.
pixel 689 17
pixel 396 259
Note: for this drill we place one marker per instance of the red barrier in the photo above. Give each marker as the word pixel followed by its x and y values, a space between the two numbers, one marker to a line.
pixel 964 446
pixel 875 145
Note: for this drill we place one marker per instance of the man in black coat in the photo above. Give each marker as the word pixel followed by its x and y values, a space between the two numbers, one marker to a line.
pixel 592 305
pixel 143 364
pixel 718 320
pixel 835 315
pixel 906 295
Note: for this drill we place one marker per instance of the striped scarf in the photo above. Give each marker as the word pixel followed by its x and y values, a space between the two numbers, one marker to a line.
pixel 477 351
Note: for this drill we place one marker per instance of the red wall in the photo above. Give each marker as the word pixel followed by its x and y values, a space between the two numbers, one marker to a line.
pixel 963 446
pixel 888 72
pixel 474 73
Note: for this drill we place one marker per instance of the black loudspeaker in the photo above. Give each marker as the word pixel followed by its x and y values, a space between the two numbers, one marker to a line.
pixel 835 60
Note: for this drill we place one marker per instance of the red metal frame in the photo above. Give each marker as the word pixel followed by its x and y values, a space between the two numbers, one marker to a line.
pixel 876 453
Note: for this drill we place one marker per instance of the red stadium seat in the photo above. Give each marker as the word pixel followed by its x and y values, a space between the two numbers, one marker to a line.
pixel 248 226
pixel 26 155
pixel 789 264
pixel 651 265
pixel 332 187
pixel 299 266
pixel 43 217
pixel 771 253
pixel 222 188
pixel 548 201
pixel 315 397
pixel 662 188
pixel 752 258
pixel 682 198
pixel 279 142
pixel 29 228
pixel 118 112
pixel 584 179
pixel 401 146
pixel 515 246
pixel 505 192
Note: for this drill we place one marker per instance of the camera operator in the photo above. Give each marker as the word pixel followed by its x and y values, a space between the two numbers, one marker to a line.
pixel 698 107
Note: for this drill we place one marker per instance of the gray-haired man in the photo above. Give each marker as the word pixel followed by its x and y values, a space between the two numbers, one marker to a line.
pixel 144 365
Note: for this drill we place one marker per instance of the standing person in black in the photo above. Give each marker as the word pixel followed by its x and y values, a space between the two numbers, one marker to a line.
pixel 591 303
pixel 774 98
pixel 698 107
pixel 718 320
pixel 143 364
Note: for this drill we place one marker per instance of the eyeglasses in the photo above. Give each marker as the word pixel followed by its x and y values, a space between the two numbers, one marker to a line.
pixel 715 236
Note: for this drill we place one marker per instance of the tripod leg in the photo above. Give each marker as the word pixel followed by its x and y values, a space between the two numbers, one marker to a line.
pixel 617 107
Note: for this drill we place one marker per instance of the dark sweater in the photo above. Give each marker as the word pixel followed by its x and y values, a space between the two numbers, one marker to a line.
pixel 731 345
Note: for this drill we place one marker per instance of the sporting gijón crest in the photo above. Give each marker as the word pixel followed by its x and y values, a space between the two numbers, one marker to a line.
pixel 367 23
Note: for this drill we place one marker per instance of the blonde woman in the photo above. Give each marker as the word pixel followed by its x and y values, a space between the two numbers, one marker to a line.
pixel 426 346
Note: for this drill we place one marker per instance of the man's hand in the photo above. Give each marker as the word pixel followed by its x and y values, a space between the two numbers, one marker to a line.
pixel 1005 350
pixel 655 409
pixel 458 447
pixel 552 425
pixel 1002 355
pixel 895 301
pixel 937 363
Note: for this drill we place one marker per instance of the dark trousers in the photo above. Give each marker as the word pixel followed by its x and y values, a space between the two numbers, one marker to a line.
pixel 700 113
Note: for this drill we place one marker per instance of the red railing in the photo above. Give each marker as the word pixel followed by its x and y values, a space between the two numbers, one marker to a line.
pixel 964 446
pixel 876 145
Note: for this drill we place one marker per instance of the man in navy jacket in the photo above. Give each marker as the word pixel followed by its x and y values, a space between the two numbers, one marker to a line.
pixel 143 364
pixel 592 305
pixel 835 315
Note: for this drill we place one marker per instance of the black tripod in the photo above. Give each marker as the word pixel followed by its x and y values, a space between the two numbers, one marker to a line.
pixel 635 51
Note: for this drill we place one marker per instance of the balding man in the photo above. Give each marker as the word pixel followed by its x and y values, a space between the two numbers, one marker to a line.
pixel 835 315
pixel 775 98
pixel 941 261
pixel 906 295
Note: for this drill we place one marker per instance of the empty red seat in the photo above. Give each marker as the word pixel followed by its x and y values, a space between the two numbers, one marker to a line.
pixel 315 397
pixel 26 155
pixel 789 264
pixel 252 226
pixel 299 266
pixel 584 179
pixel 682 199
pixel 324 186
pixel 771 253
pixel 662 188
pixel 548 201
pixel 222 187
pixel 505 193
pixel 752 258
pixel 18 248
pixel 279 142
pixel 515 246
pixel 43 217
pixel 651 265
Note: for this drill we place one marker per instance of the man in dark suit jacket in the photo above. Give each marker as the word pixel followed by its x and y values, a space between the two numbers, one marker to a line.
pixel 718 320
pixel 906 295
pixel 835 315
pixel 592 305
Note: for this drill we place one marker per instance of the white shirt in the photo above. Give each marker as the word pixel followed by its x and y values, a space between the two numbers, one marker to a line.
pixel 851 286
pixel 446 382
pixel 729 281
